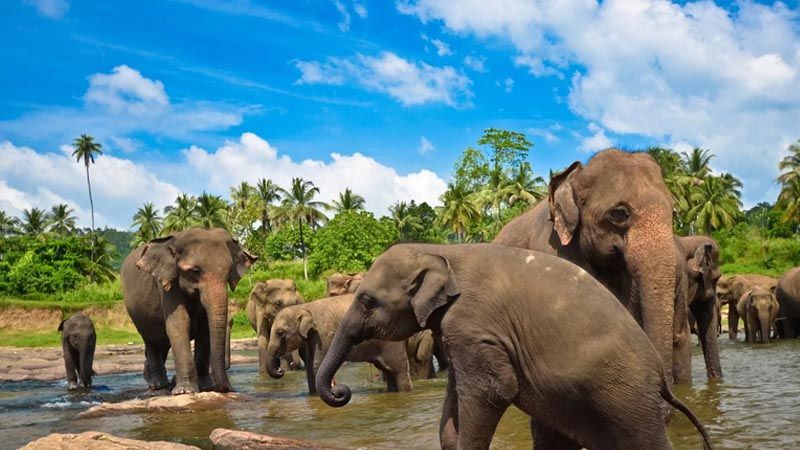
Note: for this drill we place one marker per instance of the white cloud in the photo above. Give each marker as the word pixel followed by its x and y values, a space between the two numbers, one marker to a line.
pixel 54 9
pixel 727 80
pixel 408 82
pixel 442 48
pixel 360 9
pixel 344 25
pixel 596 142
pixel 125 90
pixel 476 63
pixel 508 85
pixel 252 157
pixel 127 145
pixel 425 146
pixel 545 133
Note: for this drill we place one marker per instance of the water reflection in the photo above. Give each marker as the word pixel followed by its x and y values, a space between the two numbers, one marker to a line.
pixel 754 408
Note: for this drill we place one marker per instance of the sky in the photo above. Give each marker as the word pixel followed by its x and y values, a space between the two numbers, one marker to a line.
pixel 378 96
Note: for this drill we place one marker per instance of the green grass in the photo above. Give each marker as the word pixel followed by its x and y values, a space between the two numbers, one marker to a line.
pixel 52 338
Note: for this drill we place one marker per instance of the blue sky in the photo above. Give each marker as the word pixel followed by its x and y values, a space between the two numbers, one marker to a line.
pixel 194 95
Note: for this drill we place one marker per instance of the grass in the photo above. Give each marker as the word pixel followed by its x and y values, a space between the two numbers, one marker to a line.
pixel 52 338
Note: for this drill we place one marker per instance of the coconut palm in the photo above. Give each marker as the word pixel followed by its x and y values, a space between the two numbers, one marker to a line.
pixel 696 163
pixel 211 211
pixel 181 216
pixel 242 195
pixel 789 200
pixel 147 222
pixel 62 221
pixel 404 219
pixel 348 201
pixel 716 204
pixel 8 224
pixel 34 221
pixel 460 210
pixel 299 207
pixel 790 164
pixel 496 192
pixel 267 194
pixel 526 187
pixel 85 150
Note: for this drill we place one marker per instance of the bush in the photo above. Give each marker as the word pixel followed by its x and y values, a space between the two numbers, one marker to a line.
pixel 349 242
pixel 284 244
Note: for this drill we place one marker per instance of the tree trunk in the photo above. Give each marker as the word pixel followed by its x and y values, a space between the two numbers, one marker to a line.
pixel 303 250
pixel 91 207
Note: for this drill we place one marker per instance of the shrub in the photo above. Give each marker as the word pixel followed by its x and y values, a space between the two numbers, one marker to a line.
pixel 349 242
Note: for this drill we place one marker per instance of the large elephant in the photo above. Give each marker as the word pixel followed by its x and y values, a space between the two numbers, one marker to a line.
pixel 613 218
pixel 699 259
pixel 78 340
pixel 788 295
pixel 175 290
pixel 340 284
pixel 518 329
pixel 266 299
pixel 311 327
pixel 730 289
pixel 759 309
pixel 419 351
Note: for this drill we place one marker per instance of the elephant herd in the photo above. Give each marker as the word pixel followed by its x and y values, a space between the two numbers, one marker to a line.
pixel 579 313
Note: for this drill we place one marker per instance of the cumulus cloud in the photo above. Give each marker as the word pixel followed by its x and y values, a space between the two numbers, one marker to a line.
pixel 360 9
pixel 252 157
pixel 597 141
pixel 344 25
pixel 425 146
pixel 442 48
pixel 727 80
pixel 508 85
pixel 408 82
pixel 54 9
pixel 475 62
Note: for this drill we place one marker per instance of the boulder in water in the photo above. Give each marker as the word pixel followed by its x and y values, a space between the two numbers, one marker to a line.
pixel 243 440
pixel 94 440
pixel 201 400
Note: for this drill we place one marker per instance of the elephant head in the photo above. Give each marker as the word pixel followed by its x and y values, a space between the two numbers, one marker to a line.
pixel 340 284
pixel 400 295
pixel 615 214
pixel 201 264
pixel 266 299
pixel 291 328
pixel 703 266
pixel 763 307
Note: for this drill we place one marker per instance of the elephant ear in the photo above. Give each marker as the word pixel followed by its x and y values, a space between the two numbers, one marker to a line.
pixel 242 260
pixel 160 259
pixel 306 324
pixel 433 287
pixel 61 325
pixel 564 209
pixel 701 264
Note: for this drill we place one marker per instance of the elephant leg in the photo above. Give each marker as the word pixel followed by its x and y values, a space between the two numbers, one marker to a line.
pixel 70 358
pixel 790 327
pixel 478 416
pixel 706 315
pixel 545 438
pixel 733 322
pixel 682 354
pixel 155 371
pixel 448 425
pixel 262 343
pixel 309 353
pixel 394 364
pixel 178 323
pixel 202 352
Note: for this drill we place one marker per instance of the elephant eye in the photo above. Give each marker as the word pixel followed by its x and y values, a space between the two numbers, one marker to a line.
pixel 281 333
pixel 368 301
pixel 619 214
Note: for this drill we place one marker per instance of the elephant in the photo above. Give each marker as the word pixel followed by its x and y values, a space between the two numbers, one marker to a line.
pixel 518 329
pixel 340 284
pixel 698 274
pixel 175 290
pixel 730 289
pixel 759 309
pixel 266 299
pixel 78 340
pixel 788 296
pixel 311 327
pixel 419 351
pixel 613 218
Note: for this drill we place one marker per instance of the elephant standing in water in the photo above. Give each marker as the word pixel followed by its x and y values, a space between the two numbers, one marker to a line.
pixel 340 284
pixel 730 290
pixel 266 299
pixel 78 340
pixel 175 290
pixel 311 327
pixel 759 309
pixel 613 218
pixel 788 295
pixel 522 328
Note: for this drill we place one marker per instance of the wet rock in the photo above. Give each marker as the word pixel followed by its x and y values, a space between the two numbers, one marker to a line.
pixel 94 440
pixel 243 440
pixel 202 400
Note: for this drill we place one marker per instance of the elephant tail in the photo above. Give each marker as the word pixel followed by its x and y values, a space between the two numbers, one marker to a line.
pixel 670 398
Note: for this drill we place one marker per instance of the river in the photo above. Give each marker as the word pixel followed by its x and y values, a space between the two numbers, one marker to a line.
pixel 755 407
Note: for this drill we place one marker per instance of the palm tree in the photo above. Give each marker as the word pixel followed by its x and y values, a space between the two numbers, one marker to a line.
pixel 495 193
pixel 460 210
pixel 211 211
pixel 8 224
pixel 85 149
pixel 348 201
pixel 62 221
pixel 242 195
pixel 299 207
pixel 716 204
pixel 790 164
pixel 34 221
pixel 789 200
pixel 181 216
pixel 267 193
pixel 404 219
pixel 148 222
pixel 697 162
pixel 525 187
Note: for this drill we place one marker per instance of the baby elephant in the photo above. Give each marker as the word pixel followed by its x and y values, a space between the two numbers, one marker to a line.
pixel 78 340
pixel 522 328
pixel 310 327
pixel 340 284
pixel 419 351
pixel 759 309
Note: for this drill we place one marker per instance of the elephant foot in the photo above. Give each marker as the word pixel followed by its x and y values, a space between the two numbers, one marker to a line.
pixel 160 384
pixel 206 383
pixel 223 388
pixel 72 386
pixel 184 388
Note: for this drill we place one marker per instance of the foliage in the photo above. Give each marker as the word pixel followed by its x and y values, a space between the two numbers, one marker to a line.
pixel 181 216
pixel 298 206
pixel 148 223
pixel 350 242
pixel 405 220
pixel 348 201
pixel 285 243
pixel 310 289
pixel 745 249
pixel 85 149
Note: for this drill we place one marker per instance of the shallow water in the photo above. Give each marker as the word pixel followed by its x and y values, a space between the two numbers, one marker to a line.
pixel 754 408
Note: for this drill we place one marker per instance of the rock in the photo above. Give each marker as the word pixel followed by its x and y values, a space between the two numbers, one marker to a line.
pixel 94 440
pixel 244 440
pixel 202 400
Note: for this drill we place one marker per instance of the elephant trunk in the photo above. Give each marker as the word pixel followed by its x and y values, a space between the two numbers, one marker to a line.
pixel 215 302
pixel 338 395
pixel 764 323
pixel 651 256
pixel 273 358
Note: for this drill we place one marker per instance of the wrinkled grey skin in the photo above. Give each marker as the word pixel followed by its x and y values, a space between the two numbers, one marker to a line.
pixel 266 299
pixel 340 284
pixel 788 295
pixel 311 327
pixel 507 317
pixel 613 218
pixel 730 290
pixel 759 309
pixel 78 341
pixel 699 260
pixel 419 351
pixel 175 290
